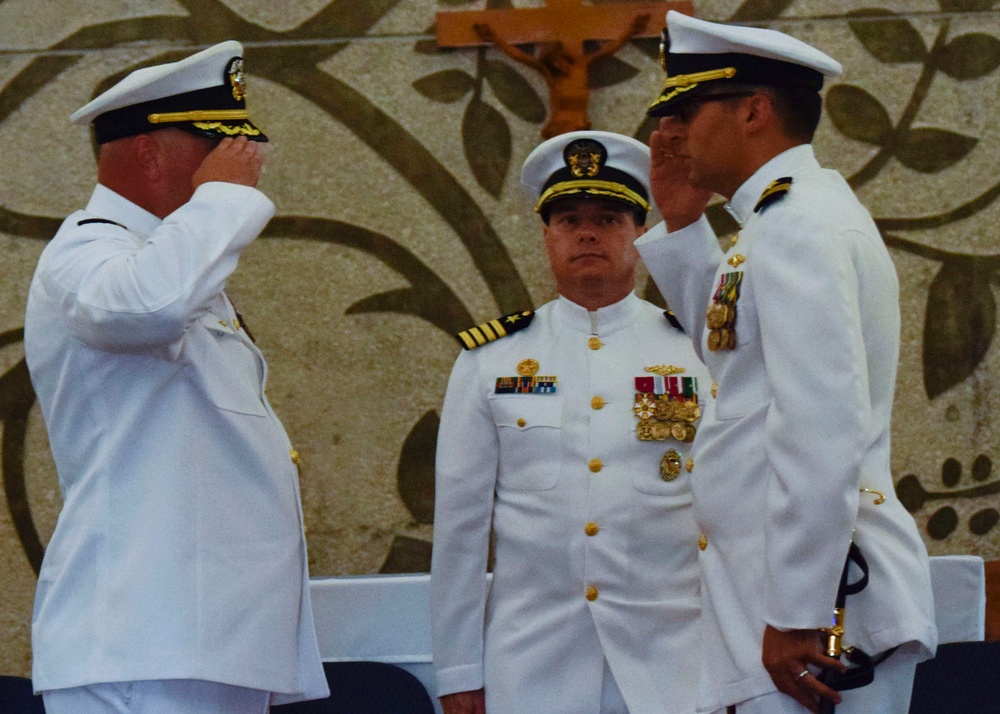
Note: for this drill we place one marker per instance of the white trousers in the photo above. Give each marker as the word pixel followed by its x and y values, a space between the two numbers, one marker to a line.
pixel 166 696
pixel 888 694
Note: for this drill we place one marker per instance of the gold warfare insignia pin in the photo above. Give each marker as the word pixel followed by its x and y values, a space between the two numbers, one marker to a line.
pixel 664 370
pixel 584 157
pixel 527 367
pixel 670 465
pixel 237 81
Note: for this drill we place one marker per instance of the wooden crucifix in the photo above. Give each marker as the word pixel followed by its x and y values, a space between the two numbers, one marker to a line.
pixel 560 29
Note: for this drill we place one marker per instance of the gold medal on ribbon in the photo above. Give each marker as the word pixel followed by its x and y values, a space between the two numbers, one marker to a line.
pixel 664 411
pixel 661 431
pixel 643 407
pixel 715 316
pixel 720 317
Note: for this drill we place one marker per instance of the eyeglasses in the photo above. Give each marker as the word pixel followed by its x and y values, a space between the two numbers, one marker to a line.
pixel 687 108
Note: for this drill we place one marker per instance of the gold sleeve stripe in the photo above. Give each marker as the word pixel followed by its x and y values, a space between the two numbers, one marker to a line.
pixel 605 188
pixel 493 330
pixel 487 330
pixel 481 334
pixel 200 115
pixel 775 189
pixel 466 340
pixel 477 336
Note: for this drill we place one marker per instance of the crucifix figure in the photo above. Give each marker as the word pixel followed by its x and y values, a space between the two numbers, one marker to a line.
pixel 560 29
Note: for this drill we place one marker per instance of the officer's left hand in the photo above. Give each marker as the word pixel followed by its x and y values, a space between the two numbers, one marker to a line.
pixel 785 656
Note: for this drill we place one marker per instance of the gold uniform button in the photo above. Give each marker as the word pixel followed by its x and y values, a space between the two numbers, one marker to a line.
pixel 591 593
pixel 595 465
pixel 703 541
pixel 597 403
pixel 595 343
pixel 591 529
pixel 689 465
pixel 294 456
pixel 715 389
pixel 521 422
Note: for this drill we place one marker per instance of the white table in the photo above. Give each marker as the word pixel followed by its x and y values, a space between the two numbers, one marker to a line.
pixel 385 618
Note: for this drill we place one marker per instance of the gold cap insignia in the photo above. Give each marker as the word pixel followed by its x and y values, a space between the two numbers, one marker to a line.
pixel 584 157
pixel 237 81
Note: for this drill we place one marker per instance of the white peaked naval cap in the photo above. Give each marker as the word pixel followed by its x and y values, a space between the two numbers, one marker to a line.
pixel 697 54
pixel 588 164
pixel 204 94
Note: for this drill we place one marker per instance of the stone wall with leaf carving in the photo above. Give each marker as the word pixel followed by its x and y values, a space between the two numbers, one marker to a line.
pixel 394 169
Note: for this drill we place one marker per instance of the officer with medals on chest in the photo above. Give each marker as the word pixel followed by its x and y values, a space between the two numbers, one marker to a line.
pixel 177 576
pixel 568 431
pixel 798 324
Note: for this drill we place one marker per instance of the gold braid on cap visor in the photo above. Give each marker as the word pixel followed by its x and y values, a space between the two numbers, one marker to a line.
pixel 687 82
pixel 201 115
pixel 598 188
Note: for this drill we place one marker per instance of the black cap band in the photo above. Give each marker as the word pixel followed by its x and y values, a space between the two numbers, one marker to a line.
pixel 212 112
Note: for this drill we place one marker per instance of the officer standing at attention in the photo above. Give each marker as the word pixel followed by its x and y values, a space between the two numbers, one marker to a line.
pixel 176 579
pixel 798 324
pixel 569 431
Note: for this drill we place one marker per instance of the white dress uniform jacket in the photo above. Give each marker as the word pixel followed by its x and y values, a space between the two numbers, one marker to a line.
pixel 595 552
pixel 179 552
pixel 801 423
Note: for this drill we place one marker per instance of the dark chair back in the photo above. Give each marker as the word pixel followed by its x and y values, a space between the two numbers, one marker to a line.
pixel 366 688
pixel 964 678
pixel 16 696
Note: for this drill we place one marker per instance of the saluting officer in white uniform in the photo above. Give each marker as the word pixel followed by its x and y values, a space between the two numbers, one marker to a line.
pixel 569 430
pixel 798 324
pixel 176 579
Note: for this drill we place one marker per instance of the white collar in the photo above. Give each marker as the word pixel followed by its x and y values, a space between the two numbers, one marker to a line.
pixel 602 321
pixel 113 206
pixel 786 163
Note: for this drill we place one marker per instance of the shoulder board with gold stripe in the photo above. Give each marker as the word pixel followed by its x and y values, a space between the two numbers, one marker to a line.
pixel 775 191
pixel 88 221
pixel 495 329
pixel 672 319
